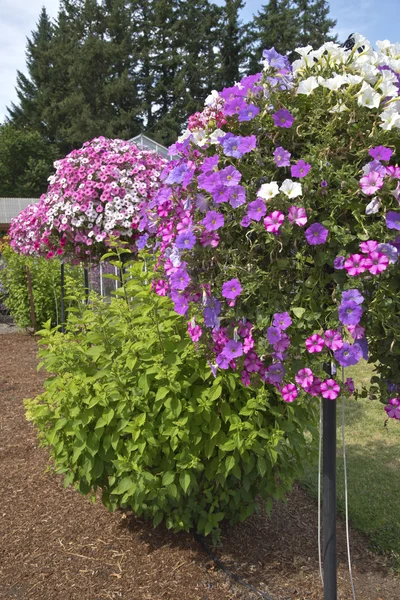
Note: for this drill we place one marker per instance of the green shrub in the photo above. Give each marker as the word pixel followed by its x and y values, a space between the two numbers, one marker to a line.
pixel 46 287
pixel 133 410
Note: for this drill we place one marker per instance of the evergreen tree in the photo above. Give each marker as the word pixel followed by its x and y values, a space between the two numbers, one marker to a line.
pixel 26 161
pixel 31 88
pixel 315 24
pixel 232 43
pixel 275 25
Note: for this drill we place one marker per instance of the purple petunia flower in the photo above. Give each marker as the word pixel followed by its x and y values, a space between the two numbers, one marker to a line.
pixel 180 280
pixel 256 209
pixel 274 335
pixel 338 263
pixel 209 181
pixel 282 157
pixel 350 313
pixel 210 164
pixel 348 355
pixel 233 106
pixel 354 295
pixel 231 289
pixel 213 220
pixel 245 222
pixel 181 303
pixel 211 312
pixel 142 241
pixel 283 118
pixel 237 195
pixel 274 59
pixel 222 361
pixel 282 320
pixel 247 143
pixel 185 240
pixel 220 194
pixel 248 112
pixel 388 250
pixel 230 176
pixel 178 174
pixel 231 145
pixel 233 349
pixel 300 169
pixel 380 153
pixel 324 183
pixel 316 234
pixel 393 220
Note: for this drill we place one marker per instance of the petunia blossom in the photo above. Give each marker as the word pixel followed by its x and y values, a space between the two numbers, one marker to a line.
pixel 315 343
pixel 330 389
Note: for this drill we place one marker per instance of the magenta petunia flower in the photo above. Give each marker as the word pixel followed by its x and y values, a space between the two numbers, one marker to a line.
pixel 349 385
pixel 316 234
pixel 376 263
pixel 356 331
pixel 330 389
pixel 354 265
pixel 283 118
pixel 231 289
pixel 297 215
pixel 367 247
pixel 300 169
pixel 380 153
pixel 333 339
pixel 256 209
pixel 245 378
pixel 305 378
pixel 315 388
pixel 161 287
pixel 393 408
pixel 282 157
pixel 273 221
pixel 289 392
pixel 315 343
pixel 213 220
pixel 282 320
pixel 371 183
pixel 393 220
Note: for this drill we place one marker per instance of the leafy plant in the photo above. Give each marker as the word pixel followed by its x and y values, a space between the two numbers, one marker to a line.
pixel 46 287
pixel 134 410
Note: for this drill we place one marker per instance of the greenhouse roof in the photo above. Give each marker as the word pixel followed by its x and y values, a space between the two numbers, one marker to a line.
pixel 10 208
pixel 146 142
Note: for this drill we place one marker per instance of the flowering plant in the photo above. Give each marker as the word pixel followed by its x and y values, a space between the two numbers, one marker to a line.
pixel 278 222
pixel 97 193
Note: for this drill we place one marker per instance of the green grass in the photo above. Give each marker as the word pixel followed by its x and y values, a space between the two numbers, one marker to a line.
pixel 373 468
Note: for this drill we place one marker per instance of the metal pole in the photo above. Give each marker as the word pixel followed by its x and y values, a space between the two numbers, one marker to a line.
pixel 86 276
pixel 329 502
pixel 62 298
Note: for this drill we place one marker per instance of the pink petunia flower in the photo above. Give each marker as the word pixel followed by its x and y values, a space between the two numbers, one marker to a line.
pixel 289 392
pixel 273 221
pixel 354 265
pixel 315 343
pixel 330 389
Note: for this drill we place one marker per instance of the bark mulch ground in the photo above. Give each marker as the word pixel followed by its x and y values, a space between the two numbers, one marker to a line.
pixel 57 545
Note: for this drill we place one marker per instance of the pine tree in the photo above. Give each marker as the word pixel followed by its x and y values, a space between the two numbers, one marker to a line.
pixel 315 24
pixel 31 88
pixel 232 43
pixel 275 25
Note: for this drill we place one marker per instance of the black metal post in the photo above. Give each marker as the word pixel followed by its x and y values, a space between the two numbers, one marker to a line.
pixel 62 298
pixel 329 499
pixel 86 275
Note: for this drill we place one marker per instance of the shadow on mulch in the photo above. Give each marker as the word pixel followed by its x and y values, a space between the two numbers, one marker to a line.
pixel 56 545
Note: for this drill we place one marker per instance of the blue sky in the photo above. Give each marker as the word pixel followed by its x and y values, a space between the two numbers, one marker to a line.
pixel 374 19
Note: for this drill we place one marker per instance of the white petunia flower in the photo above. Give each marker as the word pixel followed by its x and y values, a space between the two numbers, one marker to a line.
pixel 307 86
pixel 368 97
pixel 373 207
pixel 291 189
pixel 335 83
pixel 217 133
pixel 390 118
pixel 268 190
pixel 187 133
pixel 212 99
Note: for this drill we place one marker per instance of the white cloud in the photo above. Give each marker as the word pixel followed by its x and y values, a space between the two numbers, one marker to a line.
pixel 18 18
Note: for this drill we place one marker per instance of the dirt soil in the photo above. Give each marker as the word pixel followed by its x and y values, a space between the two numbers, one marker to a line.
pixel 57 545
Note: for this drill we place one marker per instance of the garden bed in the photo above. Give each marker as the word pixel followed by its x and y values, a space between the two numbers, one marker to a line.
pixel 55 544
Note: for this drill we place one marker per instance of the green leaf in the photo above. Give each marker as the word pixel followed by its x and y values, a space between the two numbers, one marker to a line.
pixel 229 463
pixel 168 478
pixel 184 480
pixel 124 486
pixel 215 392
pixel 298 311
pixel 162 392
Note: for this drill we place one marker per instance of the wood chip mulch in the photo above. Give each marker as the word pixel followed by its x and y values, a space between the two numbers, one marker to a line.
pixel 57 545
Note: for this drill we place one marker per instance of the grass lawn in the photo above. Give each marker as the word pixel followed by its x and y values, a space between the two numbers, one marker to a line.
pixel 373 468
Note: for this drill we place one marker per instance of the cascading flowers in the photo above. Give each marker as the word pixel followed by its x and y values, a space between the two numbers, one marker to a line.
pixel 98 193
pixel 269 241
